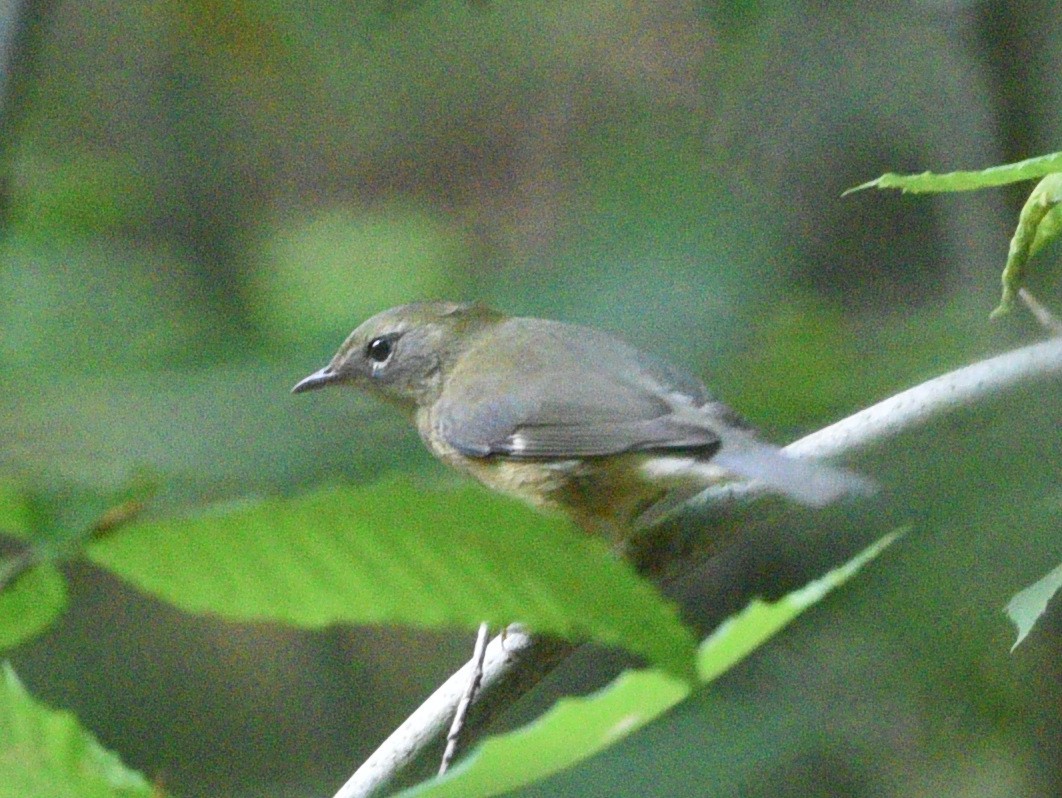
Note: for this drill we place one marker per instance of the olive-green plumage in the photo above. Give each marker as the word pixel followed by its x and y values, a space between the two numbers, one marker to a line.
pixel 563 416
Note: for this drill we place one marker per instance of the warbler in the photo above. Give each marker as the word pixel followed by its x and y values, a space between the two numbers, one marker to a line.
pixel 563 416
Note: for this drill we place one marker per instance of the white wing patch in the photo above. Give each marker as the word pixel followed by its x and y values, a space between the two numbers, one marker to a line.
pixel 808 482
pixel 666 468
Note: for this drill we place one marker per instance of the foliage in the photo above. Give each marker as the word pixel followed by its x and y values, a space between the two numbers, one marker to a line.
pixel 1028 604
pixel 377 555
pixel 30 601
pixel 578 728
pixel 398 552
pixel 1040 220
pixel 45 753
pixel 199 201
pixel 932 182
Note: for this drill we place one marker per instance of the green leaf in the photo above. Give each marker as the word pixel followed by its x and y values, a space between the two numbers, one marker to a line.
pixel 1027 605
pixel 395 552
pixel 573 730
pixel 577 728
pixel 929 182
pixel 741 634
pixel 29 602
pixel 47 754
pixel 1038 223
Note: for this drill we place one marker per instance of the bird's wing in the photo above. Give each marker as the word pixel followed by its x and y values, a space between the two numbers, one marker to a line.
pixel 536 438
pixel 579 393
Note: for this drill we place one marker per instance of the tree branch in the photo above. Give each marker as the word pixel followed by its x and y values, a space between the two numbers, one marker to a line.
pixel 917 406
pixel 512 665
pixel 512 668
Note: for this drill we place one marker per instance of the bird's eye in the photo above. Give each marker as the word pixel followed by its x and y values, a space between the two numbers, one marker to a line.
pixel 378 350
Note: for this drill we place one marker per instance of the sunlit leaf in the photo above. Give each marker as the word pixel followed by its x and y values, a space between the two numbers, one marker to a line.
pixel 578 728
pixel 396 552
pixel 1027 605
pixel 47 754
pixel 1038 223
pixel 930 182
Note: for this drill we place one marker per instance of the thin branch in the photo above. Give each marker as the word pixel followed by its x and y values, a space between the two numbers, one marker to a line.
pixel 479 652
pixel 512 664
pixel 870 427
pixel 14 568
pixel 1047 319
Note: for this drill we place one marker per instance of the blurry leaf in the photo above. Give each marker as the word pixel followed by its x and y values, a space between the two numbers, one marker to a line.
pixel 577 728
pixel 331 272
pixel 14 510
pixel 241 30
pixel 800 365
pixel 57 522
pixel 29 601
pixel 47 754
pixel 1038 222
pixel 928 182
pixel 395 552
pixel 93 306
pixel 81 193
pixel 1027 605
pixel 62 516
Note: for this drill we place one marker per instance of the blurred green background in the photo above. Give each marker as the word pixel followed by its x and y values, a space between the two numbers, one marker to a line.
pixel 203 198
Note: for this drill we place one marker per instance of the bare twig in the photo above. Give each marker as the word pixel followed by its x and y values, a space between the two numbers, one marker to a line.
pixel 14 568
pixel 512 664
pixel 1047 319
pixel 870 427
pixel 479 651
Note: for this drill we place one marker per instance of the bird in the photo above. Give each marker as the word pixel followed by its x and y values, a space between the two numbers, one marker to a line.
pixel 565 417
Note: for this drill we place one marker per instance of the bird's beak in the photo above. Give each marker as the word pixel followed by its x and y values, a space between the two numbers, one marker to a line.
pixel 319 379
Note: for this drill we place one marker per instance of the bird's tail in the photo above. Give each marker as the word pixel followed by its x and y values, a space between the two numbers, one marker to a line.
pixel 809 482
